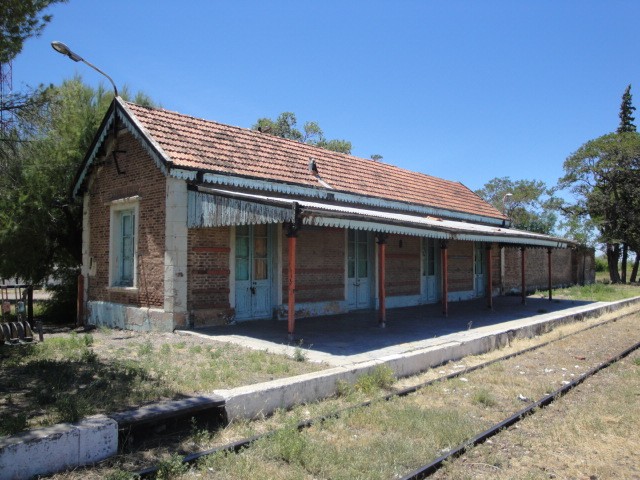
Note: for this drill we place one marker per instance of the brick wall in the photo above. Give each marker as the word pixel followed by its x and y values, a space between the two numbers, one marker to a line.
pixel 460 266
pixel 403 258
pixel 208 253
pixel 320 268
pixel 144 179
pixel 568 267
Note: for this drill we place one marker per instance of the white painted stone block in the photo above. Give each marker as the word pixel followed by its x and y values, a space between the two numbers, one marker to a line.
pixel 48 450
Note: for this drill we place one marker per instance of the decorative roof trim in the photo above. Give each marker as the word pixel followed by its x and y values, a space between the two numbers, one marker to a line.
pixel 134 127
pixel 183 174
pixel 336 196
pixel 93 151
pixel 206 210
pixel 141 134
pixel 274 210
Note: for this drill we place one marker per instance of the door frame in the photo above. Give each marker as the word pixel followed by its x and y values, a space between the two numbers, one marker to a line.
pixel 437 271
pixel 275 257
pixel 371 265
pixel 479 247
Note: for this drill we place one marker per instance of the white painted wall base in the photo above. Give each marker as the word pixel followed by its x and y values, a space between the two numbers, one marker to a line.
pixel 461 296
pixel 313 309
pixel 49 450
pixel 402 301
pixel 116 315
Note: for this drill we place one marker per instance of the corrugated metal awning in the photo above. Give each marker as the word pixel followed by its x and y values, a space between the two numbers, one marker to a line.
pixel 218 210
pixel 212 207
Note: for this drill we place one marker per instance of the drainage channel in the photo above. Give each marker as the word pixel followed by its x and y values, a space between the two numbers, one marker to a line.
pixel 426 470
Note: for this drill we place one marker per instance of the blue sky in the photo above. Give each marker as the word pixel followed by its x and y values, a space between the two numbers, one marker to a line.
pixel 463 90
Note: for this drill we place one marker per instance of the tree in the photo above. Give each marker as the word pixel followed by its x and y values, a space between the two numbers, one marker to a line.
pixel 531 205
pixel 604 176
pixel 285 126
pixel 20 20
pixel 626 113
pixel 40 227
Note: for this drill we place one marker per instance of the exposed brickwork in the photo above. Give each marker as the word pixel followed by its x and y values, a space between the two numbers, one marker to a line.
pixel 208 267
pixel 568 267
pixel 144 179
pixel 460 266
pixel 320 270
pixel 496 269
pixel 403 257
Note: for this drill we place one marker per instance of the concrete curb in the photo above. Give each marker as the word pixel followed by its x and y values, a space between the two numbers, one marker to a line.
pixel 48 450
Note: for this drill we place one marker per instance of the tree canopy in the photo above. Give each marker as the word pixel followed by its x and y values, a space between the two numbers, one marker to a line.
pixel 626 113
pixel 285 126
pixel 530 205
pixel 40 227
pixel 604 176
pixel 20 20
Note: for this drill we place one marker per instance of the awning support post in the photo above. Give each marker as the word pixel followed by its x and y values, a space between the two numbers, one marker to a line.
pixel 382 311
pixel 292 234
pixel 549 267
pixel 489 276
pixel 445 277
pixel 523 271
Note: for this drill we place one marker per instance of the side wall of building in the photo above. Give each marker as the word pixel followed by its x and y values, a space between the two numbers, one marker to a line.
pixel 140 306
pixel 208 265
pixel 568 267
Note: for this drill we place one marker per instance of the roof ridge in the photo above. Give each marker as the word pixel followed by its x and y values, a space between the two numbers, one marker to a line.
pixel 288 141
pixel 211 146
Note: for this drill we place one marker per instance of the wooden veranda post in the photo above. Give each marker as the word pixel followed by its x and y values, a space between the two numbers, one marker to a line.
pixel 489 276
pixel 549 266
pixel 291 314
pixel 523 271
pixel 382 312
pixel 445 277
pixel 292 234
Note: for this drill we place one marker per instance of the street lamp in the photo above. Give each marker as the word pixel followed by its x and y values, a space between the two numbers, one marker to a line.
pixel 64 50
pixel 504 200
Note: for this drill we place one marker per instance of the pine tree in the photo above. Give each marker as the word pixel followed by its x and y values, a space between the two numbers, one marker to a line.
pixel 626 113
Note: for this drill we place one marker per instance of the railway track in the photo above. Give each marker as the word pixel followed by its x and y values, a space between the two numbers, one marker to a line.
pixel 433 465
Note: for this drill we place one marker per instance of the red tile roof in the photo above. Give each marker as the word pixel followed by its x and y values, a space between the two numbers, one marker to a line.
pixel 213 147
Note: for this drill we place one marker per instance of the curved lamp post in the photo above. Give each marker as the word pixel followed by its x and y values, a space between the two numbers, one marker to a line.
pixel 64 50
pixel 504 202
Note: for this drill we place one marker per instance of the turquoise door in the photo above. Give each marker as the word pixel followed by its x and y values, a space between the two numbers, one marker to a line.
pixel 479 267
pixel 430 269
pixel 358 269
pixel 253 272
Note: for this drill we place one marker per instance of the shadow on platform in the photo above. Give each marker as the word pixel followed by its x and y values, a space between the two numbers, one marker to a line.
pixel 358 332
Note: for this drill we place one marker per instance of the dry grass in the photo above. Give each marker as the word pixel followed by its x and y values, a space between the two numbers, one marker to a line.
pixel 70 376
pixel 590 433
pixel 390 438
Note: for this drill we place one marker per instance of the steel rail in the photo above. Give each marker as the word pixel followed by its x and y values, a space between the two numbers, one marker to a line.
pixel 427 470
pixel 240 445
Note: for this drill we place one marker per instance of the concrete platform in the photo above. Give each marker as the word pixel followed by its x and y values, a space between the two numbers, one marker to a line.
pixel 415 339
pixel 355 337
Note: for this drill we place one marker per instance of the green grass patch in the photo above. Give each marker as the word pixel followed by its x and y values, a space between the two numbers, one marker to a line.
pixel 484 397
pixel 597 292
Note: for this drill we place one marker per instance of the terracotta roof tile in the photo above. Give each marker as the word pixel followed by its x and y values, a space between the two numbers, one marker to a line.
pixel 217 148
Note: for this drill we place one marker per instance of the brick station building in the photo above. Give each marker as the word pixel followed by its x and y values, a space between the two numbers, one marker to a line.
pixel 188 222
